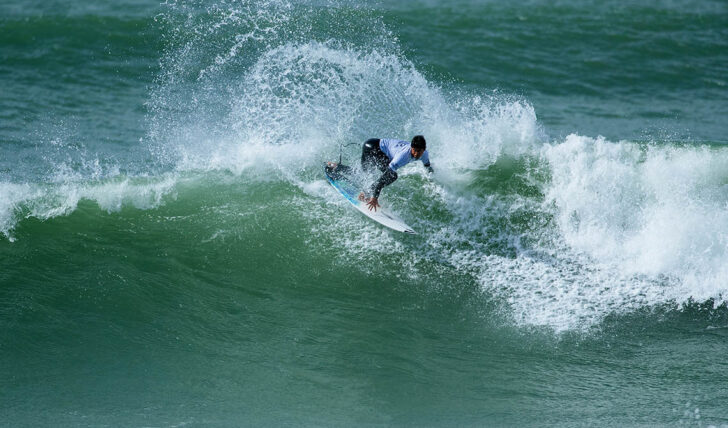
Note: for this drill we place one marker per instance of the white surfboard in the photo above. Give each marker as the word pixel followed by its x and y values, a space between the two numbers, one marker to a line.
pixel 351 191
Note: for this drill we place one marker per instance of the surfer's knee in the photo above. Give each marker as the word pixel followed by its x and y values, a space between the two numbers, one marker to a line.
pixel 369 154
pixel 371 144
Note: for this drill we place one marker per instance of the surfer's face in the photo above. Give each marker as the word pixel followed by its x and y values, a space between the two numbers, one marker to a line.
pixel 416 153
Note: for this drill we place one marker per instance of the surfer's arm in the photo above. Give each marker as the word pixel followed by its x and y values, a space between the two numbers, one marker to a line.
pixel 386 179
pixel 426 161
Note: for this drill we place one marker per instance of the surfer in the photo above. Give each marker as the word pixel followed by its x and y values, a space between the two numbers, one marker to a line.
pixel 388 155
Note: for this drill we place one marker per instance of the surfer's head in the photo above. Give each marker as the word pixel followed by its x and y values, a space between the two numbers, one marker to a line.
pixel 418 146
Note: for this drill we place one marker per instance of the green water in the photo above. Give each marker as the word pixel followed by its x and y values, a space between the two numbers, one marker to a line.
pixel 171 254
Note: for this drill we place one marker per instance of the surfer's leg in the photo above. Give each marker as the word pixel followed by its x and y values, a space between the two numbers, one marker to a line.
pixel 382 161
pixel 370 153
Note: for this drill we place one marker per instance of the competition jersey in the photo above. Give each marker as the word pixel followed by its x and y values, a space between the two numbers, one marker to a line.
pixel 398 151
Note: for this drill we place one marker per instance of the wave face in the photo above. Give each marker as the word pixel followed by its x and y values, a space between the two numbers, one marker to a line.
pixel 269 90
pixel 161 192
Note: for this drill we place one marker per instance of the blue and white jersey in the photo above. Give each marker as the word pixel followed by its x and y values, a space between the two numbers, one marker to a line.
pixel 398 151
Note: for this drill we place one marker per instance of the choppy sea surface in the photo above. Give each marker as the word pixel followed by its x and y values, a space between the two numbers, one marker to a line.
pixel 172 255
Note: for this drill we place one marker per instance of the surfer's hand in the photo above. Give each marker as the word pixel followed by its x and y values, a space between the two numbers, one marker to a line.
pixel 373 203
pixel 362 197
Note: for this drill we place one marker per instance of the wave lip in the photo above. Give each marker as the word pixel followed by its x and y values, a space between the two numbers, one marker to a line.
pixel 19 201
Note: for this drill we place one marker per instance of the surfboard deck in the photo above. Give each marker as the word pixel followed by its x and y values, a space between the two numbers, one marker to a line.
pixel 348 188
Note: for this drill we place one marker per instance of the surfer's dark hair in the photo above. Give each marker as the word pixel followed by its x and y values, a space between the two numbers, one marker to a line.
pixel 418 142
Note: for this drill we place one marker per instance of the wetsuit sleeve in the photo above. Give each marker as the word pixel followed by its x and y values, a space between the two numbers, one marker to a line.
pixel 426 161
pixel 386 179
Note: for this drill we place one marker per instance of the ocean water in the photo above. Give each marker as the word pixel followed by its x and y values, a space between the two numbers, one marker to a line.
pixel 171 254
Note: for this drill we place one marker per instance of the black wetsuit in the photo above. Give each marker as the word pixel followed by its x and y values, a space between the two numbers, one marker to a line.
pixel 373 157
